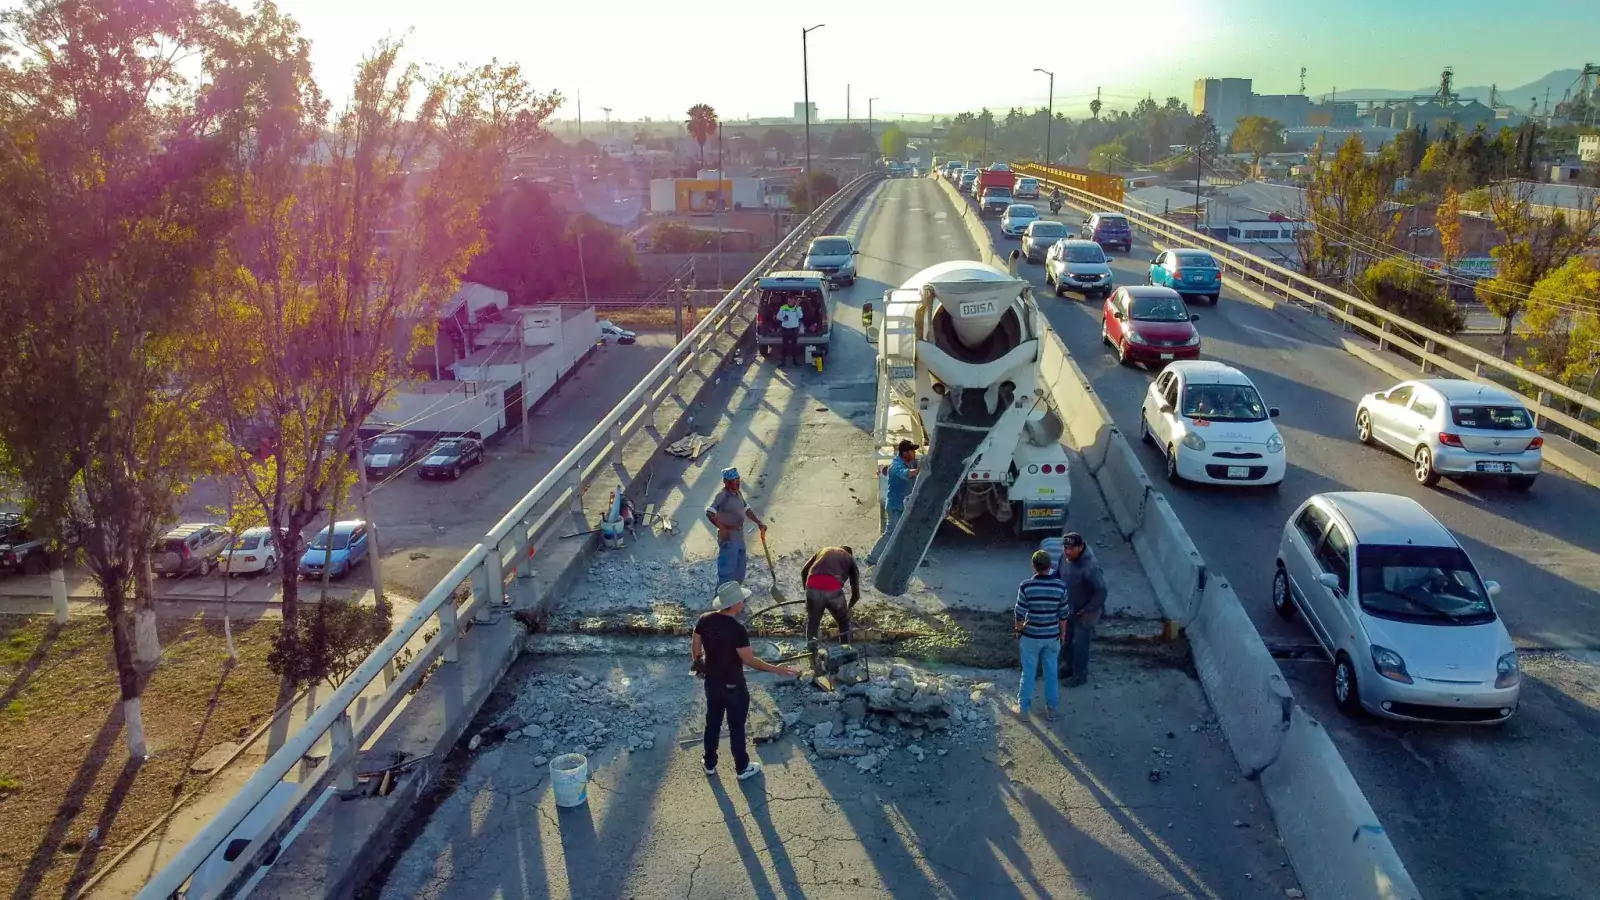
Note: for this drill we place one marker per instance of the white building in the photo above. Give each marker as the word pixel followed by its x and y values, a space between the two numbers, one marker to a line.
pixel 1589 148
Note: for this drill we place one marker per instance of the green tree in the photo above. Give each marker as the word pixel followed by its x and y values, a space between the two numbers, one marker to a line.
pixel 1347 205
pixel 1094 108
pixel 1409 291
pixel 1561 324
pixel 1257 136
pixel 1536 241
pixel 893 142
pixel 110 212
pixel 344 244
pixel 702 126
pixel 806 196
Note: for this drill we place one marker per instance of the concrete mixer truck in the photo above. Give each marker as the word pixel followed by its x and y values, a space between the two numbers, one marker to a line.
pixel 958 374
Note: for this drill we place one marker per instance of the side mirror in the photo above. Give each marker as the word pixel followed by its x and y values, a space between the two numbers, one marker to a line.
pixel 855 252
pixel 1273 412
pixel 1164 404
pixel 1194 317
pixel 1329 580
pixel 1492 587
pixel 1156 261
pixel 1119 315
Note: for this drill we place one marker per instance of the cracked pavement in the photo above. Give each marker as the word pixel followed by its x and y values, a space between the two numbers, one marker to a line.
pixel 1068 811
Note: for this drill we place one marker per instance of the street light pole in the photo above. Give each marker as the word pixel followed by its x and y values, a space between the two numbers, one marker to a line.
pixel 805 75
pixel 1049 117
pixel 871 145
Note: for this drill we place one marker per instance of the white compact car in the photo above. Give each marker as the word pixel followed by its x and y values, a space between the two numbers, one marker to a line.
pixel 613 332
pixel 1454 427
pixel 1211 424
pixel 1017 218
pixel 252 551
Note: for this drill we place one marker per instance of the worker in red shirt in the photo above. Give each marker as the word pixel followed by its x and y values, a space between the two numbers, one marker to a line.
pixel 824 576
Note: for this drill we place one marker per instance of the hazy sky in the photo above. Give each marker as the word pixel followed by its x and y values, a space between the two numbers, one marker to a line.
pixel 656 59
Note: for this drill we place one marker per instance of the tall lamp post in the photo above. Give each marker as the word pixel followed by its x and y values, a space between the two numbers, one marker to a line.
pixel 805 75
pixel 1049 117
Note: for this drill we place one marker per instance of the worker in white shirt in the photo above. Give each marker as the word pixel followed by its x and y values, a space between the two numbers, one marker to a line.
pixel 789 319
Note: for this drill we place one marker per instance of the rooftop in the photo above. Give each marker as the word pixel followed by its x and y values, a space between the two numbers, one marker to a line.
pixel 1202 371
pixel 1463 390
pixel 1389 519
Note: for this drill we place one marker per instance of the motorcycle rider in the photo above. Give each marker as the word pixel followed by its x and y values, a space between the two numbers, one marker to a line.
pixel 1055 200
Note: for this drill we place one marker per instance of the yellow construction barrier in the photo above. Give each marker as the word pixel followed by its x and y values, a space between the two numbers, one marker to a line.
pixel 1101 184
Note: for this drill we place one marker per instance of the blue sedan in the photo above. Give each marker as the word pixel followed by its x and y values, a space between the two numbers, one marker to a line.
pixel 1192 273
pixel 348 550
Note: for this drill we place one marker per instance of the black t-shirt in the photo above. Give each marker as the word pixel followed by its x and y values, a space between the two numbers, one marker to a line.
pixel 721 636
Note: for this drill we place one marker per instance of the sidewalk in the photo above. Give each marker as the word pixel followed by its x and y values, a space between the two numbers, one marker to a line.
pixel 122 879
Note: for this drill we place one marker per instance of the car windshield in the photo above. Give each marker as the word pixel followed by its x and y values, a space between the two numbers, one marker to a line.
pixel 1492 418
pixel 388 445
pixel 1112 222
pixel 1224 403
pixel 248 542
pixel 445 448
pixel 1085 255
pixel 340 540
pixel 831 248
pixel 1158 309
pixel 1049 230
pixel 174 545
pixel 1435 585
pixel 1028 182
pixel 1196 261
pixel 1022 212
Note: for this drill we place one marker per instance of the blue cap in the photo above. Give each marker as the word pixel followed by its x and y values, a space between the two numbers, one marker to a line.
pixel 730 474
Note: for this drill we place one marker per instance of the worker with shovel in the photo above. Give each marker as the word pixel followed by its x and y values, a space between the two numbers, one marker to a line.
pixel 727 513
pixel 824 577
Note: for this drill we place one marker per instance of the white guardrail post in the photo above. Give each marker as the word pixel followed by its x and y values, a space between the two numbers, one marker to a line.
pixel 1387 330
pixel 484 566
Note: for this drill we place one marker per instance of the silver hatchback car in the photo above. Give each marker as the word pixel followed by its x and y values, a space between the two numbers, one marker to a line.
pixel 1398 605
pixel 1454 427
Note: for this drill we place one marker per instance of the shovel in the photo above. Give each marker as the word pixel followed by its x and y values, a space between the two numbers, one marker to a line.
pixel 777 595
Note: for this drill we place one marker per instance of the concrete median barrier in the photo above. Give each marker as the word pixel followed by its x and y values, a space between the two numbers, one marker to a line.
pixel 1333 838
pixel 1086 419
pixel 1247 691
pixel 1170 559
pixel 1125 485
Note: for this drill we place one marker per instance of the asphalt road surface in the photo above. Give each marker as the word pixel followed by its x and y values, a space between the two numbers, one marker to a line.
pixel 1503 812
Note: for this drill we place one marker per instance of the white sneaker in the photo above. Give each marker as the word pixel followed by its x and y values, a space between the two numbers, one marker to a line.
pixel 750 771
pixel 711 770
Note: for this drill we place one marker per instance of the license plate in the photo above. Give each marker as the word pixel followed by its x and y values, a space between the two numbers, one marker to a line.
pixel 1166 356
pixel 1501 468
pixel 1047 490
pixel 1238 471
pixel 981 308
pixel 1043 513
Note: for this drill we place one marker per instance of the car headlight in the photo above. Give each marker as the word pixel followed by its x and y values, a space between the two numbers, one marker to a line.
pixel 1390 665
pixel 1136 338
pixel 1275 443
pixel 1193 341
pixel 1506 671
pixel 1194 441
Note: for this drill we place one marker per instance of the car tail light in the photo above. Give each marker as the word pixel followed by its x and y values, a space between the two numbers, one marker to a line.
pixel 1177 273
pixel 1536 443
pixel 1449 440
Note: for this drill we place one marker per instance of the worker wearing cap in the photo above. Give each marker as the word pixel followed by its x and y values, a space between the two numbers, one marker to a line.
pixel 1086 592
pixel 789 318
pixel 824 577
pixel 727 514
pixel 718 652
pixel 903 471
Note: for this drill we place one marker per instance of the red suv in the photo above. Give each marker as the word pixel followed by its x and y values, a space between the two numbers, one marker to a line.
pixel 1149 325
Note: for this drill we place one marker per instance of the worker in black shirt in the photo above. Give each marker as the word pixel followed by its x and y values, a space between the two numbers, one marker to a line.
pixel 718 652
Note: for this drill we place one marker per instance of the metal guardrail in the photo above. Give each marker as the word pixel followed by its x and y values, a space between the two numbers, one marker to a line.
pixel 502 552
pixel 1389 329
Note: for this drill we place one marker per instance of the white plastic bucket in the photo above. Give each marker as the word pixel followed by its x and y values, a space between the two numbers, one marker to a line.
pixel 569 775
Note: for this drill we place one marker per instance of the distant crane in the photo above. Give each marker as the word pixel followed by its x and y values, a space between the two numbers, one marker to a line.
pixel 1302 80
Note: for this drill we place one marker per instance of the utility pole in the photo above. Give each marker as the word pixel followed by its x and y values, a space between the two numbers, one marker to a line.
pixel 847 104
pixel 805 76
pixel 1049 117
pixel 872 147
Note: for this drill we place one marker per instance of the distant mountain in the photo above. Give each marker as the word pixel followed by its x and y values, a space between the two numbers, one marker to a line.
pixel 1517 96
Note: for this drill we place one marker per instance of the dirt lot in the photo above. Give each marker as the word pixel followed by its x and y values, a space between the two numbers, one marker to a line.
pixel 68 797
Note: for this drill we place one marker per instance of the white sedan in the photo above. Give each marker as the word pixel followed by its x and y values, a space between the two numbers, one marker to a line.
pixel 1212 426
pixel 252 551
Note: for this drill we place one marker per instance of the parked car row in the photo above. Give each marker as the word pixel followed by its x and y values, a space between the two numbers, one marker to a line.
pixel 198 548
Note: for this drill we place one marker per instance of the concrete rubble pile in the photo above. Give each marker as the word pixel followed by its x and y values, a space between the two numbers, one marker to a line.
pixel 883 709
pixel 573 713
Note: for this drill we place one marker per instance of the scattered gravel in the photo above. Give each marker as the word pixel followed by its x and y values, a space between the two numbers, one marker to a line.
pixel 567 713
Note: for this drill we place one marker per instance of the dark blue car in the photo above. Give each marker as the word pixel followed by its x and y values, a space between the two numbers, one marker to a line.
pixel 1192 273
pixel 1109 230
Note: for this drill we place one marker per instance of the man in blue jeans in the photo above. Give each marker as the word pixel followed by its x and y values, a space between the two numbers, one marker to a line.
pixel 903 471
pixel 727 513
pixel 1041 623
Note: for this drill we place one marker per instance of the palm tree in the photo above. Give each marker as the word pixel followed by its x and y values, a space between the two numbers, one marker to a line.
pixel 702 125
pixel 1094 107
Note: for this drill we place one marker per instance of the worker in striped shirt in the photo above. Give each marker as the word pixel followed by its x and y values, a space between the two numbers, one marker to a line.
pixel 1041 620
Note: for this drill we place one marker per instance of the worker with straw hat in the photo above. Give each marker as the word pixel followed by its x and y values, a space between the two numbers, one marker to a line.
pixel 718 652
